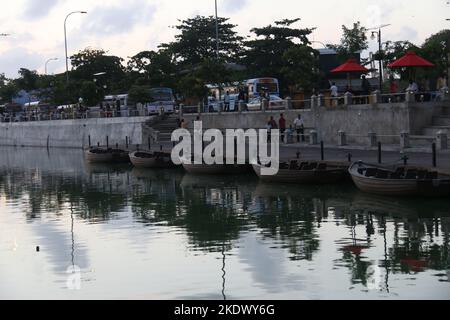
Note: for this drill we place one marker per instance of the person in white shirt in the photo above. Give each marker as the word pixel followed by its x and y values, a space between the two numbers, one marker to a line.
pixel 299 125
pixel 413 87
pixel 334 90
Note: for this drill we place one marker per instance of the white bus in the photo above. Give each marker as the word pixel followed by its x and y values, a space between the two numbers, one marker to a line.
pixel 262 85
pixel 161 97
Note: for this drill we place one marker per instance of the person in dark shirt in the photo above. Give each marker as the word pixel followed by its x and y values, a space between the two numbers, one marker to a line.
pixel 282 124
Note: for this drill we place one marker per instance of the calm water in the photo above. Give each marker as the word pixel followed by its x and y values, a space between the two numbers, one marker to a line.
pixel 137 234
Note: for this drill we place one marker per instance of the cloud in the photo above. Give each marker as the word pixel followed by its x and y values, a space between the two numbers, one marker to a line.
pixel 39 9
pixel 233 6
pixel 17 58
pixel 113 20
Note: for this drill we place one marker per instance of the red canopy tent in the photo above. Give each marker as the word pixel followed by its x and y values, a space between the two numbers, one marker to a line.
pixel 351 66
pixel 411 59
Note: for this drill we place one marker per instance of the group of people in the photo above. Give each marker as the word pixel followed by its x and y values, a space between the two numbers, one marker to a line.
pixel 297 127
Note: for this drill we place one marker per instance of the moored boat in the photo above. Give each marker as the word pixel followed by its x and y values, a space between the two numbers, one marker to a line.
pixel 308 172
pixel 399 180
pixel 102 155
pixel 143 159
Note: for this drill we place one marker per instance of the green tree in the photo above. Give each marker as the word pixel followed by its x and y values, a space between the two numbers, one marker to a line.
pixel 197 41
pixel 300 68
pixel 153 68
pixel 437 49
pixel 90 93
pixel 8 89
pixel 28 80
pixel 353 40
pixel 272 52
pixel 88 62
pixel 139 94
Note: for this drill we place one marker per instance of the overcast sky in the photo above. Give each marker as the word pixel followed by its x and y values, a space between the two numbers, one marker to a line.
pixel 125 28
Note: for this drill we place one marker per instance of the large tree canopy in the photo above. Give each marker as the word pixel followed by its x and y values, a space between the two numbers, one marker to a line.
pixel 279 51
pixel 197 41
pixel 354 40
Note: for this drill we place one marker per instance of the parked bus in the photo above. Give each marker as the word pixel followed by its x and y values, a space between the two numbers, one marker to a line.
pixel 161 97
pixel 262 85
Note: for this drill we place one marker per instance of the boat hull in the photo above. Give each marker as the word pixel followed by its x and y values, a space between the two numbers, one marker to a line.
pixel 106 156
pixel 331 176
pixel 148 162
pixel 399 187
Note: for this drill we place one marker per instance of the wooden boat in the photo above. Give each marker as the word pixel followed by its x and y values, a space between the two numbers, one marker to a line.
pixel 143 159
pixel 216 168
pixel 399 180
pixel 308 172
pixel 102 155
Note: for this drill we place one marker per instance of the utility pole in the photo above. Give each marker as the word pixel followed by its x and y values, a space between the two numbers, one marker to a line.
pixel 65 41
pixel 380 49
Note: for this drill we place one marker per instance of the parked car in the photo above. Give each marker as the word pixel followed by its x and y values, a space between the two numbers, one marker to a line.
pixel 275 103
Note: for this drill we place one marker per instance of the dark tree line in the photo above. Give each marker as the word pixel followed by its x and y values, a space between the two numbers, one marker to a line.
pixel 281 50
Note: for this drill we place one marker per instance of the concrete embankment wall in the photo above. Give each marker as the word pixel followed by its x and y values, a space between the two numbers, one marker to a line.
pixel 73 133
pixel 386 120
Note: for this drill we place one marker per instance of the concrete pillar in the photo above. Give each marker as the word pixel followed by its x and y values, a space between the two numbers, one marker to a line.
pixel 376 97
pixel 313 137
pixel 348 98
pixel 404 140
pixel 241 106
pixel 410 96
pixel 288 103
pixel 442 140
pixel 181 110
pixel 320 100
pixel 265 105
pixel 313 101
pixel 342 138
pixel 372 139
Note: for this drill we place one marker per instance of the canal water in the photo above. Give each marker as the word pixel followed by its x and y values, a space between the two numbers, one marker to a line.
pixel 70 230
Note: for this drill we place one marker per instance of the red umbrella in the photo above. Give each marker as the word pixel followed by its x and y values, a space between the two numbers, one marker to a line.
pixel 349 67
pixel 411 59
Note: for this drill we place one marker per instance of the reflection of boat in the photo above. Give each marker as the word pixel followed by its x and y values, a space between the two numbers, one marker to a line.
pixel 102 155
pixel 416 265
pixel 399 180
pixel 99 167
pixel 316 172
pixel 142 159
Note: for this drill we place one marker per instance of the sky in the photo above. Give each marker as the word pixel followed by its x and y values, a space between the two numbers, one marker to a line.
pixel 125 28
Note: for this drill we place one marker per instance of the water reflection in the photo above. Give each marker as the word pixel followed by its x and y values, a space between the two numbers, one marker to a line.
pixel 285 241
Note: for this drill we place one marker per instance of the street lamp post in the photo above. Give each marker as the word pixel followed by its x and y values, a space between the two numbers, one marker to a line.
pixel 46 63
pixel 380 49
pixel 65 41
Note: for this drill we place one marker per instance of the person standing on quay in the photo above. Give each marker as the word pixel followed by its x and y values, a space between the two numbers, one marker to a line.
pixel 299 125
pixel 282 124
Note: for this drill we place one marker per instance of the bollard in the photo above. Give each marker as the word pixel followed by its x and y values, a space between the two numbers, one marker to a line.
pixel 264 105
pixel 342 138
pixel 322 151
pixel 410 97
pixel 350 157
pixel 288 103
pixel 89 138
pixel 313 101
pixel 241 106
pixel 160 148
pixel 376 97
pixel 98 144
pixel 320 100
pixel 372 139
pixel 126 141
pixel 433 147
pixel 313 137
pixel 348 98
pixel 149 144
pixel 442 140
pixel 379 153
pixel 117 146
pixel 404 140
pixel 107 142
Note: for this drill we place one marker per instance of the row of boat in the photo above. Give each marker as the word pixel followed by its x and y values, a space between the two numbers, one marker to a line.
pixel 398 180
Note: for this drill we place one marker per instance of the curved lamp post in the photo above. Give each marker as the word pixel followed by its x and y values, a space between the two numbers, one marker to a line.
pixel 46 63
pixel 380 48
pixel 65 41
